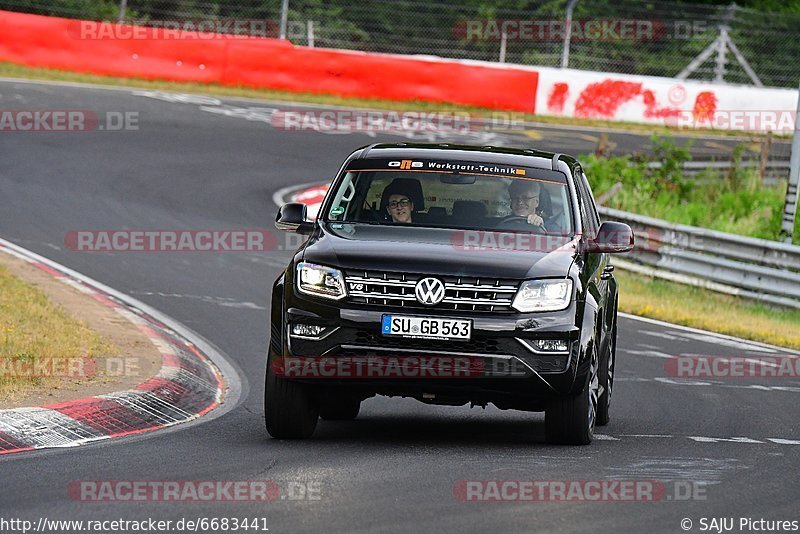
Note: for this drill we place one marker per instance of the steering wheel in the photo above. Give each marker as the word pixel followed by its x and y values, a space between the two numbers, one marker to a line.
pixel 518 222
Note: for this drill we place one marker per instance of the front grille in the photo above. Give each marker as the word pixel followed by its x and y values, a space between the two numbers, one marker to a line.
pixel 489 346
pixel 474 346
pixel 461 292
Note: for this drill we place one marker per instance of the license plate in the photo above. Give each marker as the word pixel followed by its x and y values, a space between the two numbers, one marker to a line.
pixel 426 327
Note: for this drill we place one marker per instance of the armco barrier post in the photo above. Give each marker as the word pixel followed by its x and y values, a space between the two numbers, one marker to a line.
pixel 790 206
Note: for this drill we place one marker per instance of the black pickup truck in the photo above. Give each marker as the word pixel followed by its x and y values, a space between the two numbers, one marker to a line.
pixel 453 275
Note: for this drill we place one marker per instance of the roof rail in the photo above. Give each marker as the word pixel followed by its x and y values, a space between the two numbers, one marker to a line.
pixel 556 157
pixel 366 149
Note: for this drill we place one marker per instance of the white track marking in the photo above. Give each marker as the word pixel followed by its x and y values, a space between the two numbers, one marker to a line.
pixel 648 353
pixel 662 335
pixel 41 427
pixel 742 440
pixel 647 435
pixel 703 439
pixel 225 302
pixel 704 332
pixel 684 382
pixel 734 343
pixel 759 387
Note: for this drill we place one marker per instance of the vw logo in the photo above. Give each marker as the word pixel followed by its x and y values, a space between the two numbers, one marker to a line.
pixel 429 291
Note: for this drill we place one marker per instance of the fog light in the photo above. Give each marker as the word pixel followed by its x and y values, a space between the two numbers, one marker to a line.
pixel 307 330
pixel 551 345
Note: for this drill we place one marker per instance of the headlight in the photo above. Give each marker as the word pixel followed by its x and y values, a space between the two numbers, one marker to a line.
pixel 543 295
pixel 321 281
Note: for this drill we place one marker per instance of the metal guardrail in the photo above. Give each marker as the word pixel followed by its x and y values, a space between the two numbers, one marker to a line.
pixel 775 170
pixel 754 268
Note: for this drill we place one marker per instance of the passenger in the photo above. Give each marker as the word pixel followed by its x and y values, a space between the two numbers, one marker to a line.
pixel 398 203
pixel 400 207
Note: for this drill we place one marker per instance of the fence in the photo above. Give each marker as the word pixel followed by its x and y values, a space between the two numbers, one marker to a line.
pixel 754 268
pixel 731 43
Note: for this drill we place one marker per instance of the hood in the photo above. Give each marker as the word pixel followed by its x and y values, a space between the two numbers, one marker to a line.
pixel 446 252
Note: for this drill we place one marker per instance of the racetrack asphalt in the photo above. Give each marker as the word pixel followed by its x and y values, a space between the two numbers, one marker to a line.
pixel 202 165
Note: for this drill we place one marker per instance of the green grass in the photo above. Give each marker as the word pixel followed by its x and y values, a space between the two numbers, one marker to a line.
pixel 33 329
pixel 701 308
pixel 11 70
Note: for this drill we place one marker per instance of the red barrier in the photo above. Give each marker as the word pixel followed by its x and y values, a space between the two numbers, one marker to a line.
pixel 52 42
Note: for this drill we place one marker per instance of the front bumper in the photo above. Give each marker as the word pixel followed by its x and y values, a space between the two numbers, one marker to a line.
pixel 499 362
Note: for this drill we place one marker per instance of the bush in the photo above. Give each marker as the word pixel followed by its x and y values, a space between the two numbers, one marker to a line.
pixel 730 202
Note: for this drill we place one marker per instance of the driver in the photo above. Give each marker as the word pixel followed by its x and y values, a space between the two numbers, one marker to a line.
pixel 525 201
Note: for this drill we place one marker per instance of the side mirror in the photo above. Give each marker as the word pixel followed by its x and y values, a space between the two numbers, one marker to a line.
pixel 292 217
pixel 612 237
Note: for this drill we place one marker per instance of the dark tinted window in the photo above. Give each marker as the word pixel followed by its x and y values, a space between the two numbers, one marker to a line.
pixel 452 195
pixel 591 222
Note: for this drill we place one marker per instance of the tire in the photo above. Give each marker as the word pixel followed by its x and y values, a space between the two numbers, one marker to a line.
pixel 289 408
pixel 339 408
pixel 606 378
pixel 571 420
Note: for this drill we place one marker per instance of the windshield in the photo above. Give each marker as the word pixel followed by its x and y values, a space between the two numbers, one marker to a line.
pixel 475 196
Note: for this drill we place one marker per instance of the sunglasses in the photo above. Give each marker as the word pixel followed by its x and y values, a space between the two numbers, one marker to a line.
pixel 523 199
pixel 399 204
